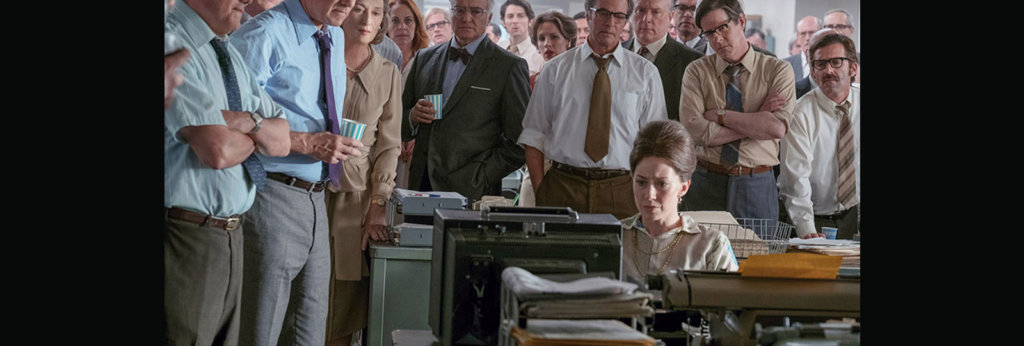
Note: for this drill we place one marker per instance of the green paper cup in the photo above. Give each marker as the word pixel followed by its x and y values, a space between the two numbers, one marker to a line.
pixel 436 100
pixel 352 129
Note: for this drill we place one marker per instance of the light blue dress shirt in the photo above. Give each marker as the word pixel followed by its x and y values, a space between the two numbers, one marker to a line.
pixel 188 184
pixel 279 47
pixel 454 68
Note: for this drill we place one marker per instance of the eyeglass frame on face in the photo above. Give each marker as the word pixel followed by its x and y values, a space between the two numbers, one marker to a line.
pixel 684 8
pixel 459 11
pixel 721 29
pixel 819 64
pixel 606 14
pixel 838 26
pixel 439 25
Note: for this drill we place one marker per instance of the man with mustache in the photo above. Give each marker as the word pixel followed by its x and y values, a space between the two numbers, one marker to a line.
pixel 296 52
pixel 736 104
pixel 587 107
pixel 820 176
pixel 651 21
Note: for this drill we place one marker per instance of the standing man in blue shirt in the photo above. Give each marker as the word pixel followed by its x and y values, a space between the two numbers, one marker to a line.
pixel 217 119
pixel 296 52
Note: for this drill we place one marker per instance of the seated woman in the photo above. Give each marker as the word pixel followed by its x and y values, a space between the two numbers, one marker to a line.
pixel 659 237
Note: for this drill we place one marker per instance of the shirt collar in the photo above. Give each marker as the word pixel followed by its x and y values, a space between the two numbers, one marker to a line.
pixel 747 61
pixel 689 225
pixel 826 103
pixel 193 25
pixel 471 47
pixel 586 51
pixel 524 46
pixel 654 47
pixel 303 26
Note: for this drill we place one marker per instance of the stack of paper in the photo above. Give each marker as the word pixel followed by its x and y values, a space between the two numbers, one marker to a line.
pixel 579 332
pixel 849 250
pixel 592 297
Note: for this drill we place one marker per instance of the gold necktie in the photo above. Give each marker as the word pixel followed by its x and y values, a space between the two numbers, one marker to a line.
pixel 514 49
pixel 600 122
pixel 847 190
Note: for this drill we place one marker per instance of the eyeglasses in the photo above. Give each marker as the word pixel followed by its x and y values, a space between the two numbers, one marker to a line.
pixel 834 62
pixel 605 14
pixel 460 11
pixel 838 26
pixel 408 21
pixel 683 8
pixel 722 29
pixel 439 25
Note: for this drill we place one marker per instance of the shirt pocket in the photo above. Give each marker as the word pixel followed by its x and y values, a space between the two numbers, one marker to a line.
pixel 626 104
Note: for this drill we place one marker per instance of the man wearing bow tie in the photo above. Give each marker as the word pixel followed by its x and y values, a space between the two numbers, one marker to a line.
pixel 484 94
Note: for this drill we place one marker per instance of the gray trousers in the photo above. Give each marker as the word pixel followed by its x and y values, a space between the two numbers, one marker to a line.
pixel 287 268
pixel 202 284
pixel 744 196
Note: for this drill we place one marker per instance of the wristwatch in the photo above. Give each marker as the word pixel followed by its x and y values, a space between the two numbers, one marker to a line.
pixel 380 202
pixel 721 112
pixel 256 118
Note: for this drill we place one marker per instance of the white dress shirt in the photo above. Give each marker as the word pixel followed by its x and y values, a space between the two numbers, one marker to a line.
pixel 528 51
pixel 654 48
pixel 556 118
pixel 809 174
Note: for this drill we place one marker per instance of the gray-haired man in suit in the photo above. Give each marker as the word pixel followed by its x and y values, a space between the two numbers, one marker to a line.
pixel 473 146
pixel 671 57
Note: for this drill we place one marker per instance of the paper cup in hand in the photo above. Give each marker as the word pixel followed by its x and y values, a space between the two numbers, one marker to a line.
pixel 352 129
pixel 830 232
pixel 436 100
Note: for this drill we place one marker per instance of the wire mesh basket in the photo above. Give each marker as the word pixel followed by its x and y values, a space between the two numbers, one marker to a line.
pixel 754 236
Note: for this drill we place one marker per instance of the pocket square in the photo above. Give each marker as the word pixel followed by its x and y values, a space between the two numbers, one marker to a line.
pixel 479 88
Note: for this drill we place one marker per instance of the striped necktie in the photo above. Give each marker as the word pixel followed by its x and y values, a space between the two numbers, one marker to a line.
pixel 733 102
pixel 846 193
pixel 253 166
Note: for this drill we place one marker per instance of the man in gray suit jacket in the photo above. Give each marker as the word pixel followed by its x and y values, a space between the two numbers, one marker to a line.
pixel 668 55
pixel 471 146
pixel 804 29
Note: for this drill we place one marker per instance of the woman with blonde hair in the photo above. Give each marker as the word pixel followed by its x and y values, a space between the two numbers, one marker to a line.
pixel 357 209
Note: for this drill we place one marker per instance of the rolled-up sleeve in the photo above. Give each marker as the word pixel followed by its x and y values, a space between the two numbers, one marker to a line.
pixel 796 153
pixel 692 107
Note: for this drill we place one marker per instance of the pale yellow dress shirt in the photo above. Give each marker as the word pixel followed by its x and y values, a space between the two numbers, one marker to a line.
pixel 704 88
pixel 697 249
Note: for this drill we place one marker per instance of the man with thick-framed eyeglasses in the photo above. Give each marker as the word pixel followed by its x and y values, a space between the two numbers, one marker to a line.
pixel 587 107
pixel 438 23
pixel 468 145
pixel 736 104
pixel 841 21
pixel 654 44
pixel 820 174
pixel 686 26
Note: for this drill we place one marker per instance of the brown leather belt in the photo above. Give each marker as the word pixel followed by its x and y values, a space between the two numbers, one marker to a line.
pixel 734 170
pixel 590 173
pixel 204 220
pixel 296 182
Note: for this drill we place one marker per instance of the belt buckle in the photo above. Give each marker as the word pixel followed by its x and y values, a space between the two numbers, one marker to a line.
pixel 232 223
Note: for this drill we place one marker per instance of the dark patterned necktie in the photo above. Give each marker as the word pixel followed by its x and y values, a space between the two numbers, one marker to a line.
pixel 459 54
pixel 599 123
pixel 253 166
pixel 733 102
pixel 333 170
